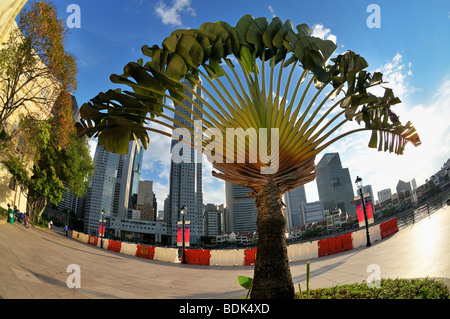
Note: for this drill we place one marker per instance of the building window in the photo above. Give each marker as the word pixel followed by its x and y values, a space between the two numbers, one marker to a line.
pixel 12 184
pixel 335 182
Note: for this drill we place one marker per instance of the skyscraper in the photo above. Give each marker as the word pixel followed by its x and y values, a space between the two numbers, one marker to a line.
pixel 212 220
pixel 241 211
pixel 293 201
pixel 111 188
pixel 334 184
pixel 186 176
pixel 101 188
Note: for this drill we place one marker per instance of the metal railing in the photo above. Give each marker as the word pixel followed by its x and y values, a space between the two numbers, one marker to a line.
pixel 425 210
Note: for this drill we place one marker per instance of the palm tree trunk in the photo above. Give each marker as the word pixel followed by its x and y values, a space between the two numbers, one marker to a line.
pixel 272 276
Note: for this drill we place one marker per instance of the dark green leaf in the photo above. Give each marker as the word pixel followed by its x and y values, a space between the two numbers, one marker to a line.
pixel 245 282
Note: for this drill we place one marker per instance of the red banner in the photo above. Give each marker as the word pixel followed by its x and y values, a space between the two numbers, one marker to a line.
pixel 187 233
pixel 360 211
pixel 101 229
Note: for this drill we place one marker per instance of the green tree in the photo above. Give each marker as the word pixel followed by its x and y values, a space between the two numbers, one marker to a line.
pixel 36 69
pixel 52 167
pixel 242 70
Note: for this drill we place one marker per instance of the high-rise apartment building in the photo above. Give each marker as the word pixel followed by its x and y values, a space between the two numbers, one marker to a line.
pixel 186 175
pixel 241 211
pixel 293 201
pixel 334 184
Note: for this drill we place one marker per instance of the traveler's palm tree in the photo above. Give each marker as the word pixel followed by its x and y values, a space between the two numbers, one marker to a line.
pixel 256 75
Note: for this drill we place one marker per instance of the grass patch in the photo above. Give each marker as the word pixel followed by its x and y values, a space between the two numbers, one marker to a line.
pixel 389 289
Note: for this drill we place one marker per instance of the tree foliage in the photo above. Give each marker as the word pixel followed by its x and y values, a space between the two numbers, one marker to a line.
pixel 53 167
pixel 36 69
pixel 37 73
pixel 250 96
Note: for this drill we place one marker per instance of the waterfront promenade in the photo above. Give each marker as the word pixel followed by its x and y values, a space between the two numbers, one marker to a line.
pixel 33 264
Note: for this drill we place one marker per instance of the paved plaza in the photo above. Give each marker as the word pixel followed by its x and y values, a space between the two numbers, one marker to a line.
pixel 34 262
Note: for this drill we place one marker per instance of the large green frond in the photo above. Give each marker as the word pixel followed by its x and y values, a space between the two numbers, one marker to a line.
pixel 245 89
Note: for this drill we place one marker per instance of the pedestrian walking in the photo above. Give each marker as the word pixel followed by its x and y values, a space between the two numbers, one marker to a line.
pixel 51 224
pixel 66 230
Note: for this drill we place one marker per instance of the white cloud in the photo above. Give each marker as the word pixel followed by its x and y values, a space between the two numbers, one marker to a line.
pixel 323 33
pixel 395 75
pixel 92 147
pixel 272 11
pixel 161 190
pixel 171 15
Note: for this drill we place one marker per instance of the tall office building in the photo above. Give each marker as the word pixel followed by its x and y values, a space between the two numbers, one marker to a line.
pixel 145 201
pixel 311 212
pixel 403 187
pixel 186 176
pixel 384 195
pixel 367 189
pixel 112 186
pixel 293 201
pixel 213 219
pixel 241 211
pixel 101 188
pixel 334 184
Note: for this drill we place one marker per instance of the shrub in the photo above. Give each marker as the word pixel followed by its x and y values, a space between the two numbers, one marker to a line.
pixel 389 289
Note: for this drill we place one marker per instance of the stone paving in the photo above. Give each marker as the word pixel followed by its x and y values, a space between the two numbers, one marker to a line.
pixel 33 264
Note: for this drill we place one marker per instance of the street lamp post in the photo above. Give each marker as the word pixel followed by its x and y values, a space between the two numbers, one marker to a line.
pixel 359 184
pixel 183 212
pixel 102 227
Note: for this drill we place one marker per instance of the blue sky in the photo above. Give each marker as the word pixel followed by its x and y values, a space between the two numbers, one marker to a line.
pixel 410 47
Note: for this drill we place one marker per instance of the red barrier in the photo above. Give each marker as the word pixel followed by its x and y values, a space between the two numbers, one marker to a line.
pixel 145 251
pixel 197 257
pixel 93 240
pixel 250 256
pixel 334 245
pixel 388 228
pixel 114 245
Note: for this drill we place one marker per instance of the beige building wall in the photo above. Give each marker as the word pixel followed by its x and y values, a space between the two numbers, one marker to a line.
pixel 9 9
pixel 10 192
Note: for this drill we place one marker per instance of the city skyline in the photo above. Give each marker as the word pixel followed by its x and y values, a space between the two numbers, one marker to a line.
pixel 403 58
pixel 297 107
